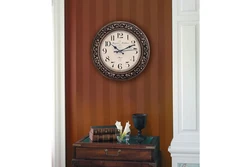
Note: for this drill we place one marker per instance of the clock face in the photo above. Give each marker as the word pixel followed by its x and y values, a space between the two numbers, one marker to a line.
pixel 120 51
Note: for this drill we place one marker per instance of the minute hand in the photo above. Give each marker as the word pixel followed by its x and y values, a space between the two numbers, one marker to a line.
pixel 127 47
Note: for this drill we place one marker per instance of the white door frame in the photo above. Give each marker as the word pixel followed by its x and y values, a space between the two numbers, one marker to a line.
pixel 185 145
pixel 59 143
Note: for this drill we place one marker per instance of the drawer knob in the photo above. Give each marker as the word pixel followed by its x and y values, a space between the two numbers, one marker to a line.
pixel 115 155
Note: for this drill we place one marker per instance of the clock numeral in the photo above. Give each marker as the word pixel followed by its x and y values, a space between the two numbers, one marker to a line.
pixel 107 59
pixel 133 58
pixel 119 35
pixel 128 64
pixel 127 37
pixel 136 52
pixel 133 41
pixel 104 50
pixel 107 43
pixel 113 63
pixel 112 37
pixel 120 66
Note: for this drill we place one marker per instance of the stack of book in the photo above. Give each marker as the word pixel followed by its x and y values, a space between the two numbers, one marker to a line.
pixel 103 133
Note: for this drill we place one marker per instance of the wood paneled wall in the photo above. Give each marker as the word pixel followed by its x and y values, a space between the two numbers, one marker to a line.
pixel 92 99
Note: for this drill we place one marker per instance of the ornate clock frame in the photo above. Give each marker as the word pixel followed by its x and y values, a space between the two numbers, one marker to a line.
pixel 141 37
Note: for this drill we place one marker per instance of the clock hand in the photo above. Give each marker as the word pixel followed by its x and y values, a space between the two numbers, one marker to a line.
pixel 121 51
pixel 124 50
pixel 116 49
pixel 127 47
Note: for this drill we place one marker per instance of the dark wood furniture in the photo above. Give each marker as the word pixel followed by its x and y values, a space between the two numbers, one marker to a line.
pixel 113 154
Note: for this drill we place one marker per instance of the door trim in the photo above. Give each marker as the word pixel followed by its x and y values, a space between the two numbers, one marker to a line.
pixel 59 139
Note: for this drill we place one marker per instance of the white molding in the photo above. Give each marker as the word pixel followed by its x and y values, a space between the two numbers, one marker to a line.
pixel 180 151
pixel 185 145
pixel 59 145
pixel 187 71
pixel 187 7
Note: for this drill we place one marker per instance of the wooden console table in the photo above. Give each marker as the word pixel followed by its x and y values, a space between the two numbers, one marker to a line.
pixel 112 154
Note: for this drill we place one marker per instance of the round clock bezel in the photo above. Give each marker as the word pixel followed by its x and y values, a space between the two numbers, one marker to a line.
pixel 138 34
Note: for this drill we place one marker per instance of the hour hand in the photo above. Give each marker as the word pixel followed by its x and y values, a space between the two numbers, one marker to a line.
pixel 117 50
pixel 115 47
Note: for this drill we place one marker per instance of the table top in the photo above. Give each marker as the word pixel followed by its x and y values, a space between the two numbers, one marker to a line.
pixel 132 140
pixel 149 143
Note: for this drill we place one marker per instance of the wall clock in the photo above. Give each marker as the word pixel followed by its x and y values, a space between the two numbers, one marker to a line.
pixel 120 50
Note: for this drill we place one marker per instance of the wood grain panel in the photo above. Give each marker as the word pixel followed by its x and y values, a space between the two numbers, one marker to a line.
pixel 92 99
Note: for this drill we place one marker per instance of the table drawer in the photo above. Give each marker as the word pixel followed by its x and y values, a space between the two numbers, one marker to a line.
pixel 114 154
pixel 102 163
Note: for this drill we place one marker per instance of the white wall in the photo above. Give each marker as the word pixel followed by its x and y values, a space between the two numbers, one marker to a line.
pixel 26 83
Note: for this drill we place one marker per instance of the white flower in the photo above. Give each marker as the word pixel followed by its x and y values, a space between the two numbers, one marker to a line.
pixel 125 132
pixel 118 126
pixel 126 129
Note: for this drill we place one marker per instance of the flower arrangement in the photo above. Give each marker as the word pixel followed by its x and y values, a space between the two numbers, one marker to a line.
pixel 125 132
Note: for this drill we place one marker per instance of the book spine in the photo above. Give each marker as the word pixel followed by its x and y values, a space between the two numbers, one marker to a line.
pixel 100 131
pixel 103 137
